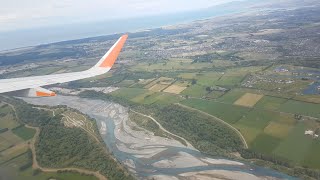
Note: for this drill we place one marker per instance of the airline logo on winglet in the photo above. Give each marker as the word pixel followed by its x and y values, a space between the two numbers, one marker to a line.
pixel 113 55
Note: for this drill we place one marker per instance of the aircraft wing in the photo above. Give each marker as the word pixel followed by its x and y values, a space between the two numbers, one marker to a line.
pixel 31 86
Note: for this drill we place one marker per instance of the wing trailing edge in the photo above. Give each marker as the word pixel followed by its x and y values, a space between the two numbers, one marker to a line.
pixel 32 85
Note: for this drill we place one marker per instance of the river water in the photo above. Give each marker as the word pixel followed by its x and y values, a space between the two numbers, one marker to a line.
pixel 148 156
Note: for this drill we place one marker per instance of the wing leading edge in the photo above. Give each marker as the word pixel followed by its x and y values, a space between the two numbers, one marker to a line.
pixel 103 66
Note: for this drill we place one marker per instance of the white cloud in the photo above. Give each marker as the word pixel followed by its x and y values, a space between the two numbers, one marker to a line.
pixel 17 14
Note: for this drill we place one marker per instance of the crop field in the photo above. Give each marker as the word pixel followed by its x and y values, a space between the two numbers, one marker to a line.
pixel 308 98
pixel 312 156
pixel 145 81
pixel 219 110
pixel 265 143
pixel 171 65
pixel 157 98
pixel 13 172
pixel 291 89
pixel 161 80
pixel 269 102
pixel 248 100
pixel 303 108
pixel 125 83
pixel 208 78
pixel 258 119
pixel 141 98
pixel 24 132
pixel 214 94
pixel 188 75
pixel 267 131
pixel 158 87
pixel 152 98
pixel 231 96
pixel 229 81
pixel 244 70
pixel 175 89
pixel 252 124
pixel 279 130
pixel 8 136
pixel 182 83
pixel 128 93
pixel 195 91
pixel 8 121
pixel 296 146
pixel 13 152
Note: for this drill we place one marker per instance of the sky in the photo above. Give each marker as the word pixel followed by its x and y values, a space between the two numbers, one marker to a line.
pixel 28 14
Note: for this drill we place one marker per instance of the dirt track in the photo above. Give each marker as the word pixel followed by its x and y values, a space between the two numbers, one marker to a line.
pixel 220 120
pixel 35 164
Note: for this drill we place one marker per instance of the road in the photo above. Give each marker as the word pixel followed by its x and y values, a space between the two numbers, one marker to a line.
pixel 35 164
pixel 163 129
pixel 220 120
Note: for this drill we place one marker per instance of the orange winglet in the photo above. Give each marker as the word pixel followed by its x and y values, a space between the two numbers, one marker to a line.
pixel 44 94
pixel 112 57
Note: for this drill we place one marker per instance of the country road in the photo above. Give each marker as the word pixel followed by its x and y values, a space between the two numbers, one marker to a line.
pixel 218 119
pixel 163 129
pixel 35 164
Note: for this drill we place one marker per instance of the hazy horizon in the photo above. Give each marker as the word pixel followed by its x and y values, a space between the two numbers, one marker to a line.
pixel 44 35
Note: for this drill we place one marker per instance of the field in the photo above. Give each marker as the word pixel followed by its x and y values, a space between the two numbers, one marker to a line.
pixel 248 100
pixel 208 78
pixel 24 132
pixel 217 109
pixel 173 64
pixel 158 87
pixel 231 96
pixel 266 131
pixel 303 108
pixel 7 119
pixel 195 91
pixel 175 89
pixel 269 102
pixel 13 156
pixel 128 93
pixel 156 97
pixel 125 83
pixel 161 80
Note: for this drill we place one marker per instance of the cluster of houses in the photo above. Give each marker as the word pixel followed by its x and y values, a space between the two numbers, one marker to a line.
pixel 252 80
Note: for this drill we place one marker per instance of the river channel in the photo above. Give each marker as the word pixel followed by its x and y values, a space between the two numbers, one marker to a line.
pixel 152 157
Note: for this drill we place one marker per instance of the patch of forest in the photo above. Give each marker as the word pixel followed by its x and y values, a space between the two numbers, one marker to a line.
pixel 61 147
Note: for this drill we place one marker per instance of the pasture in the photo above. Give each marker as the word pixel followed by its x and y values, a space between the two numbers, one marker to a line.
pixel 303 108
pixel 157 98
pixel 8 138
pixel 231 96
pixel 195 91
pixel 220 110
pixel 24 132
pixel 181 64
pixel 128 93
pixel 269 102
pixel 258 119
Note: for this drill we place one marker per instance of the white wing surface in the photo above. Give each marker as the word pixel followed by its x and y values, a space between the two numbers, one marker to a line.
pixel 34 83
